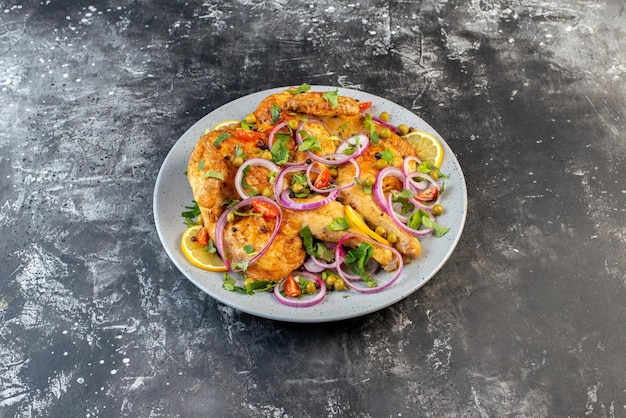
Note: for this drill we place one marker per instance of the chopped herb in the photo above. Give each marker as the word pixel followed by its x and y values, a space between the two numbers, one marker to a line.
pixel 367 188
pixel 332 97
pixel 248 249
pixel 214 174
pixel 339 224
pixel 302 89
pixel 245 184
pixel 201 165
pixel 324 253
pixel 191 214
pixel 210 247
pixel 425 167
pixel 371 127
pixel 280 151
pixel 438 230
pixel 275 111
pixel 387 155
pixel 415 220
pixel 309 142
pixel 242 265
pixel 299 178
pixel 229 202
pixel 221 138
pixel 403 198
pixel 238 151
pixel 357 258
pixel 316 249
pixel 250 288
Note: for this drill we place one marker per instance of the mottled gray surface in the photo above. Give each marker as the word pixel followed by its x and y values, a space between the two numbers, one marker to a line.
pixel 527 318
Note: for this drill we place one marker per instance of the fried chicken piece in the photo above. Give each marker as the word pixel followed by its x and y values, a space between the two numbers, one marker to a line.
pixel 213 193
pixel 276 107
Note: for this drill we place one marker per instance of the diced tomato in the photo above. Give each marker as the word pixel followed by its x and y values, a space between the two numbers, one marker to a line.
pixel 268 211
pixel 428 194
pixel 291 287
pixel 323 178
pixel 247 134
pixel 363 106
pixel 202 237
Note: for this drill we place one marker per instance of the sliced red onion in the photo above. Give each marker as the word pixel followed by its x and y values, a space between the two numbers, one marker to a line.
pixel 385 124
pixel 257 162
pixel 223 219
pixel 302 301
pixel 379 195
pixel 285 200
pixel 406 168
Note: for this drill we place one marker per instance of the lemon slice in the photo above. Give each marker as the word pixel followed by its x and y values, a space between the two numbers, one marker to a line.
pixel 427 147
pixel 197 253
pixel 356 219
pixel 228 122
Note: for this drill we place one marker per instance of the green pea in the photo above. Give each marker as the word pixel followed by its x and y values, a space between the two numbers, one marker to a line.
pixel 437 209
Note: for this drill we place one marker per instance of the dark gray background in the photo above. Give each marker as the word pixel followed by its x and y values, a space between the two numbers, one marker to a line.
pixel 527 318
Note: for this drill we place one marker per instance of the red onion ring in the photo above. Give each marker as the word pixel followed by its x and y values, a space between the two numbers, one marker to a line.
pixel 258 162
pixel 285 200
pixel 270 139
pixel 302 301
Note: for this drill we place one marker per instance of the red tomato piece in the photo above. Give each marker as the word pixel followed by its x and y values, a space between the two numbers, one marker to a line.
pixel 202 237
pixel 363 106
pixel 323 178
pixel 428 194
pixel 291 287
pixel 247 134
pixel 268 211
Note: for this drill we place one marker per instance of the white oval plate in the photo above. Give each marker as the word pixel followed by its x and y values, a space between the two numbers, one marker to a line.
pixel 172 193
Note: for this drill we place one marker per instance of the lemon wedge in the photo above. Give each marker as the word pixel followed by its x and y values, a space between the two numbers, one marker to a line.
pixel 426 146
pixel 228 122
pixel 197 254
pixel 356 220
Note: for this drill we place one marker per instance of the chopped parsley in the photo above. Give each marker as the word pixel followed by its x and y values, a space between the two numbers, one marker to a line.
pixel 280 151
pixel 250 287
pixel 191 214
pixel 302 89
pixel 214 174
pixel 338 224
pixel 315 248
pixel 357 258
pixel 309 142
pixel 221 138
pixel 275 111
pixel 371 127
pixel 387 155
pixel 332 97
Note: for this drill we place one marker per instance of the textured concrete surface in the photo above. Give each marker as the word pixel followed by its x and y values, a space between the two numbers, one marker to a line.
pixel 527 318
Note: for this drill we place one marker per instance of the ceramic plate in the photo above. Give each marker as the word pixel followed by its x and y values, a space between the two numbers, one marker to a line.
pixel 172 193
